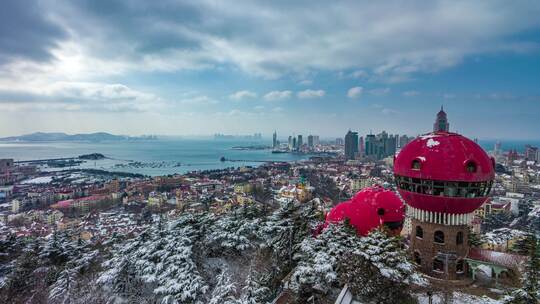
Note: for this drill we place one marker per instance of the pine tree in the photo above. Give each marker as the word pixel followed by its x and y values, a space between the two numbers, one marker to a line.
pixel 378 270
pixel 162 260
pixel 530 291
pixel 318 259
pixel 70 282
pixel 224 290
pixel 254 291
pixel 20 282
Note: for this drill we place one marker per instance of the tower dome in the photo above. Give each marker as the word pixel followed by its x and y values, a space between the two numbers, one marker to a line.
pixel 444 172
pixel 369 209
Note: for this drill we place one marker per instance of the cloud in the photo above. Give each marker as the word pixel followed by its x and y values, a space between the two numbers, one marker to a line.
pixel 308 94
pixel 81 96
pixel 306 82
pixel 241 95
pixel 198 100
pixel 410 93
pixel 277 95
pixel 359 74
pixel 380 91
pixel 355 92
pixel 395 42
pixel 27 33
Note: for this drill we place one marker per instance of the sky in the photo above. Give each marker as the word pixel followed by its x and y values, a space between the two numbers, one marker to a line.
pixel 240 67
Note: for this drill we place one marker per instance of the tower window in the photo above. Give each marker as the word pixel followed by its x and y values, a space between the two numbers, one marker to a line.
pixel 439 237
pixel 417 258
pixel 380 211
pixel 419 232
pixel 438 264
pixel 470 167
pixel 415 164
pixel 459 238
pixel 459 266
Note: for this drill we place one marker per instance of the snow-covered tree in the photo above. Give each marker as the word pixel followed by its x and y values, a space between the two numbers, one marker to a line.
pixel 378 269
pixel 21 281
pixel 71 281
pixel 223 292
pixel 234 232
pixel 530 291
pixel 255 291
pixel 57 249
pixel 163 260
pixel 338 255
pixel 318 259
pixel 386 254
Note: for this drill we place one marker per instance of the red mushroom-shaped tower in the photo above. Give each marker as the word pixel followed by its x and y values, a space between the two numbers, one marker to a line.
pixel 444 172
pixel 443 177
pixel 369 209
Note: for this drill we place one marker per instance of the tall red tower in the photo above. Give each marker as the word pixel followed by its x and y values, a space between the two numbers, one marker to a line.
pixel 443 177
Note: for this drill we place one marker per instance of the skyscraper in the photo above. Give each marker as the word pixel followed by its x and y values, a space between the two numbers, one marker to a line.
pixel 300 142
pixel 351 145
pixel 361 148
pixel 441 123
pixel 290 143
pixel 310 141
pixel 274 140
pixel 316 140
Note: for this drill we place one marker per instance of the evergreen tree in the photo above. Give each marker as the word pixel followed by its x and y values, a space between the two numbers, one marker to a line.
pixel 163 260
pixel 318 259
pixel 20 282
pixel 379 270
pixel 530 291
pixel 254 291
pixel 224 290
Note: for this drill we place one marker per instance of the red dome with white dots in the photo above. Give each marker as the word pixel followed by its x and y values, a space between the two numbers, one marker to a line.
pixel 444 172
pixel 369 209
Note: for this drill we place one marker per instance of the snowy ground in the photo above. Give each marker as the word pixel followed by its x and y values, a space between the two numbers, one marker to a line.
pixel 38 180
pixel 457 298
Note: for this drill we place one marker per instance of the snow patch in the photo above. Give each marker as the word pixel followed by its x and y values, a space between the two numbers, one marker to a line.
pixel 428 136
pixel 39 180
pixel 432 143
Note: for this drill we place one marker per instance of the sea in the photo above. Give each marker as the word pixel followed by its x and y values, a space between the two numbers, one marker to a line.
pixel 151 157
pixel 172 155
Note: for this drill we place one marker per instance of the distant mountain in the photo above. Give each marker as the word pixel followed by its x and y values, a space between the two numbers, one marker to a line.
pixel 100 136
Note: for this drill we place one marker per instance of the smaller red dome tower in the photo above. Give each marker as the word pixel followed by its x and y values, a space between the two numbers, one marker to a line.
pixel 370 208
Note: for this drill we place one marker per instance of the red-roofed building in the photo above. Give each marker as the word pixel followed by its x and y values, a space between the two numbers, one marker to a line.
pixel 506 264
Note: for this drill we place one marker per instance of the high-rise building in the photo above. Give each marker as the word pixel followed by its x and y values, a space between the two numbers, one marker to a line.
pixel 290 143
pixel 361 148
pixel 404 140
pixel 274 140
pixel 294 143
pixel 300 142
pixel 531 153
pixel 351 145
pixel 497 149
pixel 339 141
pixel 310 141
pixel 441 123
pixel 316 140
pixel 371 146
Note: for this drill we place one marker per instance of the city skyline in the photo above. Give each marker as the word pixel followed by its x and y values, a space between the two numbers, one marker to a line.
pixel 192 68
